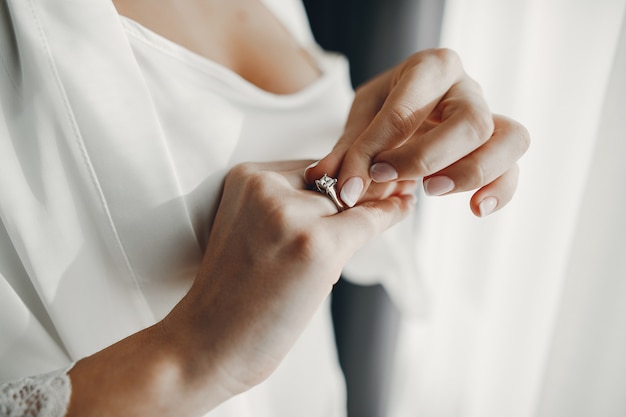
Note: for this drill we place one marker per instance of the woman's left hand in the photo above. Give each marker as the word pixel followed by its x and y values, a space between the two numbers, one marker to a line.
pixel 426 118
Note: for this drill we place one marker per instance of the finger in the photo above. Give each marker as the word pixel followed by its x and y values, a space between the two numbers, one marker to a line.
pixel 417 87
pixel 384 190
pixel 409 96
pixel 508 143
pixel 466 124
pixel 288 190
pixel 496 194
pixel 367 102
pixel 418 90
pixel 356 226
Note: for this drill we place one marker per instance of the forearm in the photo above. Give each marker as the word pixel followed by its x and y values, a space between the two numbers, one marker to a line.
pixel 146 374
pixel 275 252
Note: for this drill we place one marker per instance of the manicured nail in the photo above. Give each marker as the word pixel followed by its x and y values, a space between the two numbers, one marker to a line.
pixel 487 206
pixel 351 191
pixel 438 185
pixel 383 172
pixel 310 167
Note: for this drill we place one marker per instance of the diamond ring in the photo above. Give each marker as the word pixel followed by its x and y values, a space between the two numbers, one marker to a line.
pixel 326 185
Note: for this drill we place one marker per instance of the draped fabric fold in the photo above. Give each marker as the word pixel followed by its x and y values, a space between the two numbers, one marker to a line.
pixel 114 143
pixel 49 207
pixel 527 315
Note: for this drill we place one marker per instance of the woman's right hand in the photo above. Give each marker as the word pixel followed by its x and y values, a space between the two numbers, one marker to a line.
pixel 274 253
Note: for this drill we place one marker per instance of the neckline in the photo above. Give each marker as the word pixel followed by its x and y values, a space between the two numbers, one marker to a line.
pixel 290 18
pixel 233 83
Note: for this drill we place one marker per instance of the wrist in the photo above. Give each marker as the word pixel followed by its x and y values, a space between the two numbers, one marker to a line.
pixel 195 370
pixel 147 373
pixel 200 351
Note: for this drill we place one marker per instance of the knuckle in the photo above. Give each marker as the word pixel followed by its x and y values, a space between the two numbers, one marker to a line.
pixel 402 120
pixel 255 182
pixel 475 176
pixel 444 57
pixel 417 59
pixel 258 187
pixel 515 133
pixel 276 218
pixel 479 123
pixel 420 163
pixel 423 165
pixel 308 245
pixel 447 57
pixel 444 64
pixel 241 170
pixel 282 227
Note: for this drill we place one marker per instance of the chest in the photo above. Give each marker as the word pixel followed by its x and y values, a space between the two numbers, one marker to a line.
pixel 242 35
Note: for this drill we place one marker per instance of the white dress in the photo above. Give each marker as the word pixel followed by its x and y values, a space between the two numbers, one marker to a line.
pixel 113 145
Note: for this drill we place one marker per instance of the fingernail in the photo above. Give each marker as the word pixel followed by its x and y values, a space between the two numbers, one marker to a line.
pixel 351 191
pixel 487 206
pixel 310 167
pixel 383 172
pixel 438 185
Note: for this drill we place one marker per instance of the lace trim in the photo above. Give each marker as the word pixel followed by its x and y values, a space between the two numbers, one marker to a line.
pixel 45 395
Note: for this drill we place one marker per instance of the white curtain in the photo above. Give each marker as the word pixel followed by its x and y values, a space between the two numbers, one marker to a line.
pixel 527 314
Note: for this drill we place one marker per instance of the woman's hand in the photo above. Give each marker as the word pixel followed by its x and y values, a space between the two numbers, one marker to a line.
pixel 426 118
pixel 274 253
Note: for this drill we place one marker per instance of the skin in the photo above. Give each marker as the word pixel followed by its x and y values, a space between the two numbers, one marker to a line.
pixel 276 248
pixel 273 256
pixel 427 118
pixel 241 35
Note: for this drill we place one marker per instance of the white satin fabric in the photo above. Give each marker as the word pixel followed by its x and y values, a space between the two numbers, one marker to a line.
pixel 529 319
pixel 113 146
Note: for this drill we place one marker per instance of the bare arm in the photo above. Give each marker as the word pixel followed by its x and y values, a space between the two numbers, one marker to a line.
pixel 274 253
